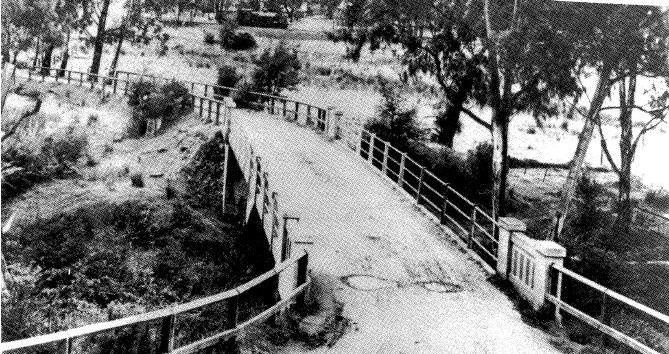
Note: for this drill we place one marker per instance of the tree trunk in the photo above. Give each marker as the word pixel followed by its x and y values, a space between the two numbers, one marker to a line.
pixel 500 160
pixel 46 59
pixel 66 57
pixel 37 45
pixel 117 53
pixel 448 123
pixel 576 165
pixel 99 42
pixel 626 155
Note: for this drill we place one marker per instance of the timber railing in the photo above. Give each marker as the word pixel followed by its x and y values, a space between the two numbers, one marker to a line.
pixel 613 314
pixel 470 221
pixel 167 330
pixel 293 110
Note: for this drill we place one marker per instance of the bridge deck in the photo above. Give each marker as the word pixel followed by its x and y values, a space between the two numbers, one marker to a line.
pixel 400 265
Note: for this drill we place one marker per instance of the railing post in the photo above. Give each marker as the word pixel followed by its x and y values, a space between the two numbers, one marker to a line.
pixel 400 178
pixel 370 150
pixel 302 265
pixel 68 346
pixel 115 82
pixel 308 120
pixel 218 113
pixel 231 318
pixel 226 157
pixel 69 76
pixel 558 296
pixel 444 207
pixel 297 109
pixel 210 108
pixel 420 184
pixel 201 107
pixel 81 79
pixel 167 335
pixel 30 74
pixel 472 230
pixel 385 158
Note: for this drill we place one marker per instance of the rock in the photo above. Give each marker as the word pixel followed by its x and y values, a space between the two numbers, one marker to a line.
pixel 313 326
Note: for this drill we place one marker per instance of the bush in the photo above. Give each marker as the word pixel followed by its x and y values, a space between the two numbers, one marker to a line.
pixel 24 166
pixel 276 69
pixel 228 77
pixel 243 96
pixel 238 41
pixel 657 198
pixel 209 38
pixel 394 123
pixel 169 101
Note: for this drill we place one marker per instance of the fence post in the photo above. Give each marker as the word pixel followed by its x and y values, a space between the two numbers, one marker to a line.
pixel 201 106
pixel 209 106
pixel 420 184
pixel 167 335
pixel 558 296
pixel 297 110
pixel 231 318
pixel 400 179
pixel 285 103
pixel 115 82
pixel 224 182
pixel 473 227
pixel 68 346
pixel 218 113
pixel 308 120
pixel 385 158
pixel 69 76
pixel 370 150
pixel 30 74
pixel 444 207
pixel 302 265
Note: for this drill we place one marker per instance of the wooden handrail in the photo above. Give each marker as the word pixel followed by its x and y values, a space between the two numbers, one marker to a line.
pixel 622 298
pixel 147 316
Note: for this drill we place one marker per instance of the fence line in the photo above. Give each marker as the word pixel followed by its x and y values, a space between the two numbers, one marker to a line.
pixel 601 323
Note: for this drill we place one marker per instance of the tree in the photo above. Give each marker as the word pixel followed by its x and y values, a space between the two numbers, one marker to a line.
pixel 513 57
pixel 288 7
pixel 99 41
pixel 135 27
pixel 618 42
pixel 277 69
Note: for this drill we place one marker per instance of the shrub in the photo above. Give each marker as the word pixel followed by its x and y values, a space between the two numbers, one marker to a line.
pixel 243 96
pixel 238 41
pixel 209 38
pixel 24 166
pixel 169 102
pixel 657 198
pixel 139 91
pixel 276 69
pixel 137 180
pixel 228 77
pixel 394 123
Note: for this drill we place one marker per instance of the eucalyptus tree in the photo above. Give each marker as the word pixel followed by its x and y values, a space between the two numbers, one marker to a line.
pixel 619 43
pixel 513 57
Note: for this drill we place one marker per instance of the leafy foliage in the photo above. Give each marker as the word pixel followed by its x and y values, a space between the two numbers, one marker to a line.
pixel 203 174
pixel 111 260
pixel 277 69
pixel 394 123
pixel 169 102
pixel 227 77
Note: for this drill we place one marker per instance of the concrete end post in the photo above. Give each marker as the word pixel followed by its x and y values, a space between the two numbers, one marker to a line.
pixel 507 227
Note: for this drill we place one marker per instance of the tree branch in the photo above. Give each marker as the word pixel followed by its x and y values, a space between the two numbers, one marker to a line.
pixel 605 147
pixel 24 116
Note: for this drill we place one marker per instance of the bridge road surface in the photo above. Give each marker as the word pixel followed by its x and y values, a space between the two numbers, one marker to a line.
pixel 361 225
